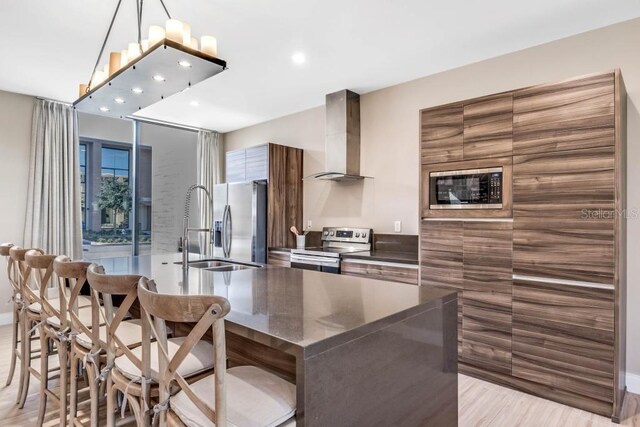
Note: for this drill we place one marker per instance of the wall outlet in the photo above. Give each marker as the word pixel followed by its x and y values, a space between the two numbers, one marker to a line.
pixel 309 223
pixel 397 226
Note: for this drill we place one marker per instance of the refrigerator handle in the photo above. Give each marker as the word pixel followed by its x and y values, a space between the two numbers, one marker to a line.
pixel 226 233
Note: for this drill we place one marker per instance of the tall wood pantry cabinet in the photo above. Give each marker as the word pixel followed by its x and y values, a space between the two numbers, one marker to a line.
pixel 281 166
pixel 542 281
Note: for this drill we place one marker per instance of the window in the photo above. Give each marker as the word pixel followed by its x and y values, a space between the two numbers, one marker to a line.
pixel 83 184
pixel 115 183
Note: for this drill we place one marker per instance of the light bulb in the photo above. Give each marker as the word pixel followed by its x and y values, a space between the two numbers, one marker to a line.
pixel 209 45
pixel 119 100
pixel 137 90
pixel 104 109
pixel 158 78
pixel 185 64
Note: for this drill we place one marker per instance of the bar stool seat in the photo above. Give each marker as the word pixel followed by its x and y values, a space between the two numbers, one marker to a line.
pixel 129 332
pixel 36 307
pixel 199 359
pixel 255 398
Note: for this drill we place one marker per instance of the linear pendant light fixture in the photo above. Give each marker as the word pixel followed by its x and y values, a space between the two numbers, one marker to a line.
pixel 149 70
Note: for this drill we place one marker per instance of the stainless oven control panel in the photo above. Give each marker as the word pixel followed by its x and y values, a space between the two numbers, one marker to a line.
pixel 346 234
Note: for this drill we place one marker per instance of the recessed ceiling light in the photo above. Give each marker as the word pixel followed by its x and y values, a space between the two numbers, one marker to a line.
pixel 194 103
pixel 298 58
pixel 158 78
pixel 119 100
pixel 137 90
pixel 104 109
pixel 185 64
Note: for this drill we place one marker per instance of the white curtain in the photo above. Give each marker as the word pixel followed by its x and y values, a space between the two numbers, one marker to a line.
pixel 209 172
pixel 53 218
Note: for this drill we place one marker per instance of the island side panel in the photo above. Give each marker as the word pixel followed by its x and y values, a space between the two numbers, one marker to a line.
pixel 402 375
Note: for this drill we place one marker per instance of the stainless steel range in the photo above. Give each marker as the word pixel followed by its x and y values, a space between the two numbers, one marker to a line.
pixel 335 242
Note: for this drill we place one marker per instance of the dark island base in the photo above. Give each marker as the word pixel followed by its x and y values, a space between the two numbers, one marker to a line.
pixel 402 375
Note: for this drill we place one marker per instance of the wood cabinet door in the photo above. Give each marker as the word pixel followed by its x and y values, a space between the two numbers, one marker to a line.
pixel 569 115
pixel 441 134
pixel 488 127
pixel 486 311
pixel 564 214
pixel 563 337
pixel 441 254
pixel 235 165
pixel 392 272
pixel 280 259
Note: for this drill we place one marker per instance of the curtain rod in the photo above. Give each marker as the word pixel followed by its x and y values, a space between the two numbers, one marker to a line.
pixel 168 124
pixel 54 100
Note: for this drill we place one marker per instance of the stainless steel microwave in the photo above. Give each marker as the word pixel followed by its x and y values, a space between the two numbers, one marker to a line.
pixel 466 189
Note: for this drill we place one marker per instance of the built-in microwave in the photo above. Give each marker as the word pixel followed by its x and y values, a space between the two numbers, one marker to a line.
pixel 466 189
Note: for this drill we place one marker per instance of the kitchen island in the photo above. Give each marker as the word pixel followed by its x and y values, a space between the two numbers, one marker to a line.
pixel 361 352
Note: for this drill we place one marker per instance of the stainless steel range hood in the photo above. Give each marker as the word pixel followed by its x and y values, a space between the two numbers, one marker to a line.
pixel 342 143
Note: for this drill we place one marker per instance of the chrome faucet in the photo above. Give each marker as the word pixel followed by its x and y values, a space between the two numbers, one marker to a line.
pixel 185 224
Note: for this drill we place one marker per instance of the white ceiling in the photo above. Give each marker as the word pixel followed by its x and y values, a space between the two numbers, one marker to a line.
pixel 47 47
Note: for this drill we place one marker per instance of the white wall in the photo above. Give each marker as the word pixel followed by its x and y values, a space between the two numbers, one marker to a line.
pixel 390 135
pixel 15 145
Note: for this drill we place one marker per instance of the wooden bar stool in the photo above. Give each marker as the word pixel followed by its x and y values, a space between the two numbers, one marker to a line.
pixel 241 396
pixel 51 336
pixel 75 274
pixel 16 305
pixel 27 334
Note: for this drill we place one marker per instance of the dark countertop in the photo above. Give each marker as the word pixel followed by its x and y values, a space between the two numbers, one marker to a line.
pixel 307 310
pixel 385 256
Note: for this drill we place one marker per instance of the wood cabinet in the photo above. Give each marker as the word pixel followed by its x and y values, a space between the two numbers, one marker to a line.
pixel 381 270
pixel 282 167
pixel 474 129
pixel 542 293
pixel 279 258
pixel 569 115
pixel 564 214
pixel 563 336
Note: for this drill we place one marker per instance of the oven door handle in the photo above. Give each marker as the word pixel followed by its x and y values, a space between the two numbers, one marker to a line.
pixel 315 260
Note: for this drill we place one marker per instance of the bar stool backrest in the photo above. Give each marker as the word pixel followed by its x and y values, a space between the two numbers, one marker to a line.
pixel 208 312
pixel 74 273
pixel 42 273
pixel 103 286
pixel 5 249
pixel 22 278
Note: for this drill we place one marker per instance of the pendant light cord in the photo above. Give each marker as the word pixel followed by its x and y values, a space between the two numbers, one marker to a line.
pixel 104 43
pixel 165 9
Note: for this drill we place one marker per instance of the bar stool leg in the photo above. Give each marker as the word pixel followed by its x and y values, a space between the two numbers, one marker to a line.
pixel 111 407
pixel 24 356
pixel 15 326
pixel 63 357
pixel 44 378
pixel 73 404
pixel 26 360
pixel 93 392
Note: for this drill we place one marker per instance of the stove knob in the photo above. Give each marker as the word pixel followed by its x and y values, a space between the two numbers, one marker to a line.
pixel 358 235
pixel 364 235
pixel 326 233
pixel 331 233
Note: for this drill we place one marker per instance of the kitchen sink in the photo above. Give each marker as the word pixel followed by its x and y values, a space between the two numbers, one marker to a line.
pixel 209 264
pixel 219 265
pixel 231 268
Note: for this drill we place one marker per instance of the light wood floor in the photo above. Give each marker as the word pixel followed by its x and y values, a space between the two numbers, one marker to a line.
pixel 480 404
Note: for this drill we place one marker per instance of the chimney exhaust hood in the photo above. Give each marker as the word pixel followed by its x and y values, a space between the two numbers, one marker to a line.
pixel 342 143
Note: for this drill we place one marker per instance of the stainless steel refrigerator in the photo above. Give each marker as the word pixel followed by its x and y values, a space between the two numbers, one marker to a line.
pixel 240 221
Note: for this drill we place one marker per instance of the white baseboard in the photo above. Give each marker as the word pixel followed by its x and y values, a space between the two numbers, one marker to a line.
pixel 7 318
pixel 633 383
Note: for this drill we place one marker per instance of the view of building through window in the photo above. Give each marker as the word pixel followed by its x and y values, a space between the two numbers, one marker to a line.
pixel 107 198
